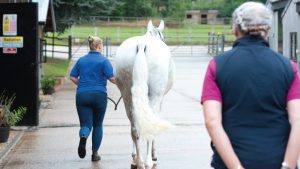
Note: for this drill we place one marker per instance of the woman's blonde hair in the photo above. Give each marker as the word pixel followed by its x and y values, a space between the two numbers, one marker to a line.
pixel 252 18
pixel 94 42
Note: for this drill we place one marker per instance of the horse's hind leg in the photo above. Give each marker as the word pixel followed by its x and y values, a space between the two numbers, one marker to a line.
pixel 136 155
pixel 154 158
pixel 149 163
pixel 136 140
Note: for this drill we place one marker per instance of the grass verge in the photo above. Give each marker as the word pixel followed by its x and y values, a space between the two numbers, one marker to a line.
pixel 56 67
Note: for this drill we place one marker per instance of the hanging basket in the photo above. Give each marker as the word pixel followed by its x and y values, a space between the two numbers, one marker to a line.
pixel 4 134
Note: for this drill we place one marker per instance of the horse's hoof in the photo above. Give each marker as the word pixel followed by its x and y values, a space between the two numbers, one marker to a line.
pixel 133 166
pixel 153 167
pixel 154 159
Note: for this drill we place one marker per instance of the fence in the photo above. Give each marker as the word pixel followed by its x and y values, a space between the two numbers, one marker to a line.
pixel 142 21
pixel 74 47
pixel 65 43
pixel 216 43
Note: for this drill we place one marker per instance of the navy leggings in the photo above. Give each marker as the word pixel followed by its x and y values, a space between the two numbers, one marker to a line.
pixel 91 107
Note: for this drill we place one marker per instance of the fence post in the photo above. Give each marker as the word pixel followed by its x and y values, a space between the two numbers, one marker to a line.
pixel 72 31
pixel 53 44
pixel 106 46
pixel 45 44
pixel 209 39
pixel 223 42
pixel 217 44
pixel 70 47
pixel 118 34
pixel 95 31
pixel 213 50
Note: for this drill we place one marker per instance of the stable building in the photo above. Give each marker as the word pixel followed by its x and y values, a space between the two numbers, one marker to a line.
pixel 291 30
pixel 284 36
pixel 203 17
pixel 275 34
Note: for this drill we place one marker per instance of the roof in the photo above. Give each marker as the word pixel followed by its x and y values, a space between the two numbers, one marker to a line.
pixel 286 8
pixel 46 14
pixel 43 9
pixel 277 4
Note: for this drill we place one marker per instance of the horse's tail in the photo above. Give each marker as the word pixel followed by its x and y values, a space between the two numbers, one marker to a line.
pixel 148 123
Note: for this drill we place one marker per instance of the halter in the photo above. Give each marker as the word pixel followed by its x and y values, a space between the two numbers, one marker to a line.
pixel 159 33
pixel 161 37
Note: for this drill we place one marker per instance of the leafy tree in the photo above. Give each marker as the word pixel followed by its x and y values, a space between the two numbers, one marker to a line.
pixel 207 4
pixel 226 7
pixel 69 12
pixel 134 8
pixel 230 6
pixel 177 8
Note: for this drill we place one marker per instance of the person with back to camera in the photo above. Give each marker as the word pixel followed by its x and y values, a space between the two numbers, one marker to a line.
pixel 251 99
pixel 90 74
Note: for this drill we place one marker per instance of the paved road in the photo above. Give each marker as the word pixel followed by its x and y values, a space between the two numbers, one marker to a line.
pixel 53 145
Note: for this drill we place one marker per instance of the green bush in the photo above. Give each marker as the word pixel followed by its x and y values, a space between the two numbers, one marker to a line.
pixel 48 82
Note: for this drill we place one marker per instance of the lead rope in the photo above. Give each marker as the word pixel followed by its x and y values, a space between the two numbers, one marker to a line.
pixel 115 103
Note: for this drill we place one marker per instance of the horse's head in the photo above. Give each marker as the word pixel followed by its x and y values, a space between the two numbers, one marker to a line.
pixel 156 31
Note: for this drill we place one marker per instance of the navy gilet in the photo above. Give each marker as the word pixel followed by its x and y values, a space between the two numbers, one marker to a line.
pixel 254 82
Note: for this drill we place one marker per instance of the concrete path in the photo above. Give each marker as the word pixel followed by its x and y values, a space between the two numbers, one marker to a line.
pixel 53 145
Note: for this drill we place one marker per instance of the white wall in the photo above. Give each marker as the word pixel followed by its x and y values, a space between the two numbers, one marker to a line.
pixel 291 23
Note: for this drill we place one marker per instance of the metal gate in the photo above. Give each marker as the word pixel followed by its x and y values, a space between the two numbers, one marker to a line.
pixel 214 44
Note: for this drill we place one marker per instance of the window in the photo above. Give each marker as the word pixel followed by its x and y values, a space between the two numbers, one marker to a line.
pixel 189 16
pixel 293 46
pixel 203 18
pixel 298 7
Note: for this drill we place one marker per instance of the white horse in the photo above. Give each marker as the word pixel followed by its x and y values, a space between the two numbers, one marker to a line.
pixel 144 72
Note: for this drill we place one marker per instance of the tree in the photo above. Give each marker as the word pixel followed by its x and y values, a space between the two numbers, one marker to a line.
pixel 230 6
pixel 177 8
pixel 69 12
pixel 137 8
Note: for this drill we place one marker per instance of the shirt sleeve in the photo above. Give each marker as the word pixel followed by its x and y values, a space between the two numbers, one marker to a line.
pixel 294 91
pixel 75 70
pixel 108 69
pixel 211 90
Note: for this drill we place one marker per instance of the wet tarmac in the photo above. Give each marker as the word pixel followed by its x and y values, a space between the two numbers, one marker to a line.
pixel 53 145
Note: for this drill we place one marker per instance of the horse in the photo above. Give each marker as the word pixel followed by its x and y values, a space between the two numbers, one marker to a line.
pixel 144 72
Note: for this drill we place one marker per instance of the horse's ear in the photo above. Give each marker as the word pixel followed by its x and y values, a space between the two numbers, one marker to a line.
pixel 150 25
pixel 161 26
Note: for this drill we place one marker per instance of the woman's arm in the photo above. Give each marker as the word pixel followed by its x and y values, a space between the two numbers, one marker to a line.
pixel 293 148
pixel 74 80
pixel 213 123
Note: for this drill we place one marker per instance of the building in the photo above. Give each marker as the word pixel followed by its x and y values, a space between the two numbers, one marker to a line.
pixel 275 34
pixel 290 29
pixel 46 18
pixel 203 17
pixel 23 24
pixel 284 36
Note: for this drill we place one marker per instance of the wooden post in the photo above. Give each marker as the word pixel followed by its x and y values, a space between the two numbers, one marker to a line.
pixel 70 47
pixel 53 44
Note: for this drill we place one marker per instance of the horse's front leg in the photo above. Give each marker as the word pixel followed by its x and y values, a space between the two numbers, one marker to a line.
pixel 149 161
